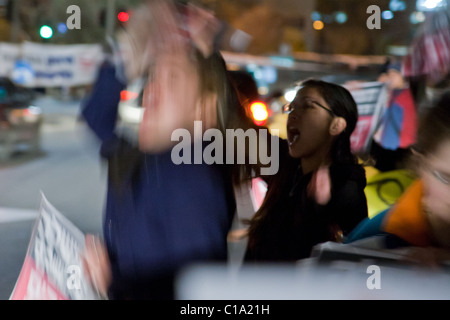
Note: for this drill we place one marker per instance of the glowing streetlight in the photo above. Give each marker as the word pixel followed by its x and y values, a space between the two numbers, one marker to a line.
pixel 46 32
pixel 318 25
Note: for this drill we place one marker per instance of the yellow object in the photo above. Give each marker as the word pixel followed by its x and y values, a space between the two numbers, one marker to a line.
pixel 371 171
pixel 385 188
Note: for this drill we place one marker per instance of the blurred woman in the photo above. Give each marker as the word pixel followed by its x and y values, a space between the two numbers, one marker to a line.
pixel 318 193
pixel 161 216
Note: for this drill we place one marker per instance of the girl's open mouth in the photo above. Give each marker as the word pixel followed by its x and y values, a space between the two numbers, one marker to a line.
pixel 292 134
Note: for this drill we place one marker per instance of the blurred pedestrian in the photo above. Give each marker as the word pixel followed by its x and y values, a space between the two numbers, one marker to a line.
pixel 318 193
pixel 421 217
pixel 398 127
pixel 99 107
pixel 160 217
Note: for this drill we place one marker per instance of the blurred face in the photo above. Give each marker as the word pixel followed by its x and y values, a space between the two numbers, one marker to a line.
pixel 172 100
pixel 435 173
pixel 308 125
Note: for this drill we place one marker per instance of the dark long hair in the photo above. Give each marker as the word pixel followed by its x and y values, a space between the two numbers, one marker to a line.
pixel 434 125
pixel 231 114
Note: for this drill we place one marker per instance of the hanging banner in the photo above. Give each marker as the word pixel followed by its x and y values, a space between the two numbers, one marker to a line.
pixel 9 54
pixel 42 65
pixel 53 269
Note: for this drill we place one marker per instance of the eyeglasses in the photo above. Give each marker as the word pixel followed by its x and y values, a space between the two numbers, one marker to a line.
pixel 304 106
pixel 441 177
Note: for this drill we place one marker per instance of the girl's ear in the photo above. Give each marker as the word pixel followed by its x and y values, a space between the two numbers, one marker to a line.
pixel 416 153
pixel 337 126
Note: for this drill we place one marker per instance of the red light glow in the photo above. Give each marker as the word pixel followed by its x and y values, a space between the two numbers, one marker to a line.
pixel 123 16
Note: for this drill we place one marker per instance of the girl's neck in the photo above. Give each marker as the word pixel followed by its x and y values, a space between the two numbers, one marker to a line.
pixel 312 163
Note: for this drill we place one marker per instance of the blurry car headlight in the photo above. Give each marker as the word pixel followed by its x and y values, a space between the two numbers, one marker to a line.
pixel 259 112
pixel 28 115
pixel 131 114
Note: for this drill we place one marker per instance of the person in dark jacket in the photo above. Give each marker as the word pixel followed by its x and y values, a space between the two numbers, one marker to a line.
pixel 161 216
pixel 318 193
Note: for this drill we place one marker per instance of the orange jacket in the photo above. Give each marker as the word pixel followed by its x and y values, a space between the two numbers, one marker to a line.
pixel 407 220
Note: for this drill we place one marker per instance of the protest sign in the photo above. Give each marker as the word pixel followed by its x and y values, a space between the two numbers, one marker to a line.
pixel 53 269
pixel 371 99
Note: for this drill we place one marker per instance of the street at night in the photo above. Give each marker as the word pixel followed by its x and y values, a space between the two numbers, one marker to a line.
pixel 224 150
pixel 67 170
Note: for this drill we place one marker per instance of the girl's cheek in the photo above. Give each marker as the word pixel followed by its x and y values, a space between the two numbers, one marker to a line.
pixel 437 198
